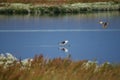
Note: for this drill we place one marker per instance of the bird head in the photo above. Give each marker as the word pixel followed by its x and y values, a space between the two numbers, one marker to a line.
pixel 66 41
pixel 101 22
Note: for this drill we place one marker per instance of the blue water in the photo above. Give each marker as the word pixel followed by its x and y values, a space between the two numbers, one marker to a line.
pixel 26 36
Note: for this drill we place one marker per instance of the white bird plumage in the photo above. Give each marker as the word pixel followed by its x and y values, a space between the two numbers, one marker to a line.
pixel 104 24
pixel 63 43
pixel 63 49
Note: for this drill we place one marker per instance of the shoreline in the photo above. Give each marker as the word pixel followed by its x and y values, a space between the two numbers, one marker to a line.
pixel 20 8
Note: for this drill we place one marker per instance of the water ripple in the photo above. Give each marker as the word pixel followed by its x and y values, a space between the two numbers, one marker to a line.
pixel 60 30
pixel 41 46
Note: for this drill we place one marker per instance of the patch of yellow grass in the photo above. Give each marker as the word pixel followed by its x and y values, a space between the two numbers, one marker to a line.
pixel 59 69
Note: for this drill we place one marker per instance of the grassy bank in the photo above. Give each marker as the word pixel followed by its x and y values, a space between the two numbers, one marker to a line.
pixel 52 2
pixel 20 8
pixel 40 68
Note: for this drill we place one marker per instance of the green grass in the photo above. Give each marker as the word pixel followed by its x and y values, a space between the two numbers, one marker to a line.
pixel 41 68
pixel 20 8
pixel 54 2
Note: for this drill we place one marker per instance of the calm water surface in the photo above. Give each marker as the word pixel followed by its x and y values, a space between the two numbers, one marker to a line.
pixel 25 36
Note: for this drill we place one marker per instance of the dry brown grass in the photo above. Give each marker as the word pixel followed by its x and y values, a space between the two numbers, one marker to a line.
pixel 59 69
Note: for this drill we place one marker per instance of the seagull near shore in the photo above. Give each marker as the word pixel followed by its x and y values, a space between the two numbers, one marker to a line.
pixel 63 43
pixel 104 24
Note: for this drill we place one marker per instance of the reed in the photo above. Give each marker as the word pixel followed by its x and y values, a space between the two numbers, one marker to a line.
pixel 40 68
pixel 54 1
pixel 20 8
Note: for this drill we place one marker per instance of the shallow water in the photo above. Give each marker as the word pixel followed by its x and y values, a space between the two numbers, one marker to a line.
pixel 25 36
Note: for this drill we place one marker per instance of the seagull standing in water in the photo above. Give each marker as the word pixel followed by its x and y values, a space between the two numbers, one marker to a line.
pixel 63 47
pixel 104 24
pixel 63 43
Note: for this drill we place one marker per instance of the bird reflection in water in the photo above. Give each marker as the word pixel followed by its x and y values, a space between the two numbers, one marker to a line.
pixel 63 47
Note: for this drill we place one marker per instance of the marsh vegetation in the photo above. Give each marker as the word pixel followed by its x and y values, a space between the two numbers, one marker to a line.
pixel 41 68
pixel 54 8
pixel 55 1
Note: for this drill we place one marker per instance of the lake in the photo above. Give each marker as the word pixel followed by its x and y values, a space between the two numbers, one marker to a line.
pixel 25 36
